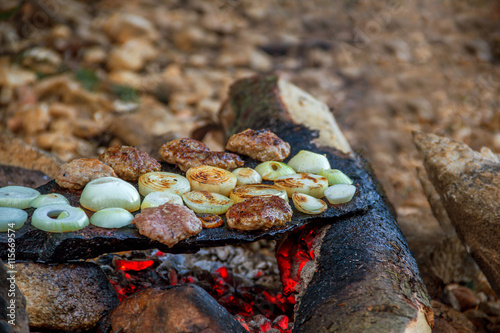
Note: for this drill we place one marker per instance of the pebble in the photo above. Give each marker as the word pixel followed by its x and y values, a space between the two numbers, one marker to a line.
pixel 480 48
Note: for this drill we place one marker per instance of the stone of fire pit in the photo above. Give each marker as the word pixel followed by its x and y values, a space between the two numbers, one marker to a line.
pixel 65 297
pixel 10 296
pixel 186 308
pixel 468 183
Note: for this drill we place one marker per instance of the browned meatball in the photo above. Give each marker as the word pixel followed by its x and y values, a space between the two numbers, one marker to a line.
pixel 259 213
pixel 128 162
pixel 168 224
pixel 187 153
pixel 260 145
pixel 77 173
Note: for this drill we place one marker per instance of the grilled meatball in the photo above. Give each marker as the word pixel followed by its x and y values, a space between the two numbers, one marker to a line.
pixel 168 224
pixel 259 213
pixel 77 173
pixel 187 153
pixel 128 162
pixel 260 145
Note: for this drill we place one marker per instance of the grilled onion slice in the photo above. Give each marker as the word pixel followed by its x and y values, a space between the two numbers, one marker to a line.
pixel 244 192
pixel 211 179
pixel 247 176
pixel 155 199
pixel 209 221
pixel 111 218
pixel 48 218
pixel 306 183
pixel 271 170
pixel 49 199
pixel 163 182
pixel 307 204
pixel 107 192
pixel 307 161
pixel 340 193
pixel 206 202
pixel 335 176
pixel 12 218
pixel 17 196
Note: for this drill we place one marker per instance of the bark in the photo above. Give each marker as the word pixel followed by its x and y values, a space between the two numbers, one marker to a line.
pixel 363 278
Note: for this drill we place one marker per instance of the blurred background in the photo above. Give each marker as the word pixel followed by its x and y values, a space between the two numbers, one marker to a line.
pixel 78 76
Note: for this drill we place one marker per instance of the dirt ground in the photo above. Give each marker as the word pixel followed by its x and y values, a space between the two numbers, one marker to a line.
pixel 75 74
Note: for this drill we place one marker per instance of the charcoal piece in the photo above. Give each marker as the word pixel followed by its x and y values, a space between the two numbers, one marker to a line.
pixel 13 316
pixel 65 297
pixel 185 308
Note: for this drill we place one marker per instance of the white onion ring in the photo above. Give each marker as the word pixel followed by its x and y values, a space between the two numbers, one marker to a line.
pixel 46 218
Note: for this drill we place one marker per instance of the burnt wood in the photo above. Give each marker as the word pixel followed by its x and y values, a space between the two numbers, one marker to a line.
pixel 364 277
pixel 36 245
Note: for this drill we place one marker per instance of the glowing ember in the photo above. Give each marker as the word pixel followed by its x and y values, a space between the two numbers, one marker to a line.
pixel 292 255
pixel 132 265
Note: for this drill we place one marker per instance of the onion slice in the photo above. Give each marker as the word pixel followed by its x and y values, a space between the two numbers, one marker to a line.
pixel 209 221
pixel 244 192
pixel 107 192
pixel 211 179
pixel 271 170
pixel 247 176
pixel 203 202
pixel 49 199
pixel 306 183
pixel 163 182
pixel 340 193
pixel 17 196
pixel 46 218
pixel 111 218
pixel 309 162
pixel 155 199
pixel 307 204
pixel 335 176
pixel 12 218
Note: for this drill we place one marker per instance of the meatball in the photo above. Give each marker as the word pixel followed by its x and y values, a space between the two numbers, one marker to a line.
pixel 187 153
pixel 259 213
pixel 77 173
pixel 260 145
pixel 168 224
pixel 128 162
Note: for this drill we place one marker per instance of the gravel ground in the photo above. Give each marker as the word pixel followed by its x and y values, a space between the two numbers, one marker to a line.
pixel 75 74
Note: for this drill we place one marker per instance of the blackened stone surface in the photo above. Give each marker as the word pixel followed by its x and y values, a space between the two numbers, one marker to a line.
pixel 36 245
pixel 10 293
pixel 186 308
pixel 65 297
pixel 11 175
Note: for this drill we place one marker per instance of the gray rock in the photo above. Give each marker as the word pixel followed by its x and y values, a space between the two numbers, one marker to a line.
pixel 65 297
pixel 480 49
pixel 13 316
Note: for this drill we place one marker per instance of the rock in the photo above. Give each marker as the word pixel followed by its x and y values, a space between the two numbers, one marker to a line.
pixel 480 49
pixel 132 55
pixel 13 316
pixel 15 152
pixel 94 55
pixel 423 108
pixel 469 185
pixel 65 297
pixel 442 326
pixel 454 318
pixel 185 308
pixel 42 60
pixel 399 48
pixel 123 27
pixel 460 297
pixel 191 37
pixel 10 175
pixel 260 61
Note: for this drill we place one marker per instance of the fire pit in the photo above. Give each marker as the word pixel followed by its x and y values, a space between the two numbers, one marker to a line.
pixel 348 269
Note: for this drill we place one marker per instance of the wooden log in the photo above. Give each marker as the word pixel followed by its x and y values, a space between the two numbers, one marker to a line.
pixel 468 183
pixel 363 277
